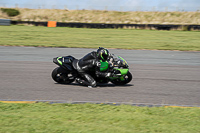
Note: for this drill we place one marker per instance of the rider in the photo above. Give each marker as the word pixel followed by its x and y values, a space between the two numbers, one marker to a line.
pixel 89 62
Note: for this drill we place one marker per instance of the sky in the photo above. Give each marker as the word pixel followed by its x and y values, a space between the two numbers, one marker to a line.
pixel 118 5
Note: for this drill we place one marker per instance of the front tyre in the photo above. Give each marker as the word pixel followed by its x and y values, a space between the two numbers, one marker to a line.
pixel 127 79
pixel 62 76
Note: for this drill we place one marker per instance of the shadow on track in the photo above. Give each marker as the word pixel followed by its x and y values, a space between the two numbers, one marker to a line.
pixel 99 85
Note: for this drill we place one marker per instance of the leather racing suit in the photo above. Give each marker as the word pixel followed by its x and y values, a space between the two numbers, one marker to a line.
pixel 85 65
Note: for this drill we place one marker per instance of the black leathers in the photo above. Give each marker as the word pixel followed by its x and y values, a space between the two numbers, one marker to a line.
pixel 89 62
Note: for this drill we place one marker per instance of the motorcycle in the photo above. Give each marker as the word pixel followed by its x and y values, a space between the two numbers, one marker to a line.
pixel 67 72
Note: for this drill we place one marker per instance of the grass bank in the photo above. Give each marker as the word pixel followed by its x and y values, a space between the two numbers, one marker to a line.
pixel 98 16
pixel 87 118
pixel 92 38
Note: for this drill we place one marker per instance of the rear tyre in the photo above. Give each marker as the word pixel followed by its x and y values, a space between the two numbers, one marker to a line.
pixel 127 79
pixel 62 76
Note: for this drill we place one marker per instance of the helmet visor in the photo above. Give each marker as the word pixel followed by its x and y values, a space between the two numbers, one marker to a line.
pixel 104 56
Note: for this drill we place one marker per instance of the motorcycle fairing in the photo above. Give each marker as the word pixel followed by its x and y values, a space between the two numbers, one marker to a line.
pixel 122 71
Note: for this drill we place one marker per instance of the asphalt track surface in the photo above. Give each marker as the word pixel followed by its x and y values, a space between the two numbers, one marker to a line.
pixel 159 77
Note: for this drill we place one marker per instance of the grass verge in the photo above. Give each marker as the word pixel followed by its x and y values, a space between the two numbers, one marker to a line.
pixel 57 118
pixel 92 38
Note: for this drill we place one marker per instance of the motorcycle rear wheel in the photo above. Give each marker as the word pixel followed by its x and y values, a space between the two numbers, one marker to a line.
pixel 62 76
pixel 127 79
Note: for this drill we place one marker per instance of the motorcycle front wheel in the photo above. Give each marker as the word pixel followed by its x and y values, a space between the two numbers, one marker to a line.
pixel 62 76
pixel 127 79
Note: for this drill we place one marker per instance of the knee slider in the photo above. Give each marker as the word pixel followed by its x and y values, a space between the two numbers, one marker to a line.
pixel 93 83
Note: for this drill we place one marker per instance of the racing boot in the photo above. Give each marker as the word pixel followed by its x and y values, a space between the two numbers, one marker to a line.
pixel 85 83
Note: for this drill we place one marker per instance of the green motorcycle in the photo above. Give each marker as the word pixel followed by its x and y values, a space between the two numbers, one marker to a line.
pixel 66 72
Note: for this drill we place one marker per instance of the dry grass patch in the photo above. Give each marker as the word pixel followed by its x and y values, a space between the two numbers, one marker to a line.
pixel 98 16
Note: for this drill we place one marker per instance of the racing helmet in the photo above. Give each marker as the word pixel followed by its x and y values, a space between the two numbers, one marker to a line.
pixel 102 54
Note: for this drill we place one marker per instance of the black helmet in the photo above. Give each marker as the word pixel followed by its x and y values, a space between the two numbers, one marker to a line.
pixel 102 54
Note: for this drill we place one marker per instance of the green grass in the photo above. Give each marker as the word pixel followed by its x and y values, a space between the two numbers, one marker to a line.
pixel 92 38
pixel 96 118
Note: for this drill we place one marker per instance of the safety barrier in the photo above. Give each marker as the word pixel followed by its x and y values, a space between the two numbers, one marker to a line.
pixel 29 23
pixel 51 24
pixel 113 26
pixel 5 22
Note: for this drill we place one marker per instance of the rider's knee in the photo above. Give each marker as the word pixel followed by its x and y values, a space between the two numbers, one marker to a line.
pixel 93 84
